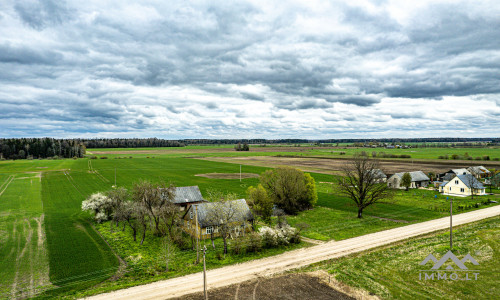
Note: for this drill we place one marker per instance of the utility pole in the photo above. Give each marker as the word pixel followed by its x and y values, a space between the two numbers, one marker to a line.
pixel 451 217
pixel 197 237
pixel 115 177
pixel 205 273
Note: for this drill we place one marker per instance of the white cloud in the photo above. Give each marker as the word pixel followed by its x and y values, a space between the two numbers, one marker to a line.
pixel 316 69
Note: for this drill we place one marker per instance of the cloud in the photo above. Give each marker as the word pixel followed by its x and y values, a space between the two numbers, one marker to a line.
pixel 255 69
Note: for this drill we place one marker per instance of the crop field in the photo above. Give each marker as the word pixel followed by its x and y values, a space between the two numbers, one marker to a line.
pixel 49 245
pixel 392 272
pixel 24 265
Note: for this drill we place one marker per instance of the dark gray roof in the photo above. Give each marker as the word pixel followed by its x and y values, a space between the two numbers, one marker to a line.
pixel 377 173
pixel 460 171
pixel 469 180
pixel 205 211
pixel 187 194
pixel 415 176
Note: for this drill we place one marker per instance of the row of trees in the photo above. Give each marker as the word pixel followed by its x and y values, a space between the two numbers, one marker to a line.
pixel 131 143
pixel 147 207
pixel 32 148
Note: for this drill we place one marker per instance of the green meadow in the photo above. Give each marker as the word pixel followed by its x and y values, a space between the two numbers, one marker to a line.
pixel 50 248
pixel 392 272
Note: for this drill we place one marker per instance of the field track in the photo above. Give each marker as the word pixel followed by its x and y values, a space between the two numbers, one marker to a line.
pixel 4 185
pixel 234 274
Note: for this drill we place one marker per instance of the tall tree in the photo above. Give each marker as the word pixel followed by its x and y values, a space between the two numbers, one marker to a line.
pixel 152 197
pixel 361 184
pixel 290 189
pixel 406 180
pixel 261 203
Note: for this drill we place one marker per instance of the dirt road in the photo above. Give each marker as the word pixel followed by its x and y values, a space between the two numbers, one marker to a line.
pixel 225 276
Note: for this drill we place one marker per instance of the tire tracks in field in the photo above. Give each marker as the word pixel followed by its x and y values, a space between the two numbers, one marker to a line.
pixel 73 182
pixel 96 172
pixel 5 185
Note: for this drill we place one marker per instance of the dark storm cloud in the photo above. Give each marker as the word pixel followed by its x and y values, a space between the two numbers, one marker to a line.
pixel 39 14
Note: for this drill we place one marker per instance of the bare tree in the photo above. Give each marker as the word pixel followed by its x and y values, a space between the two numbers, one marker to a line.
pixel 152 198
pixel 226 213
pixel 117 197
pixel 471 181
pixel 361 184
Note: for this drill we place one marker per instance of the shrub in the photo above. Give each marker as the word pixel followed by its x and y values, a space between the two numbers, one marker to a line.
pixel 440 157
pixel 478 158
pixel 342 153
pixel 253 242
pixel 454 156
pixel 496 159
pixel 486 157
pixel 272 237
pixel 238 245
pixel 103 157
pixel 93 157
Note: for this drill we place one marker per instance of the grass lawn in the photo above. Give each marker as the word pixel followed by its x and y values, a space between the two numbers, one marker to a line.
pixel 392 272
pixel 335 217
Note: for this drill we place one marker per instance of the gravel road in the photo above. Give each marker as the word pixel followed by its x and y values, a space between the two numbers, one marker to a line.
pixel 225 276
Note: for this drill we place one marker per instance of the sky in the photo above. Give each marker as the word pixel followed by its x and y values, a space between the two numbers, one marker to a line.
pixel 249 69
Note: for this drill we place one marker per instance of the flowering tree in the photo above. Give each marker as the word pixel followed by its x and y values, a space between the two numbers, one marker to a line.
pixel 100 205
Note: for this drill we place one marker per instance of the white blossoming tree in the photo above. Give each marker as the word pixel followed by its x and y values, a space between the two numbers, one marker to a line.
pixel 100 205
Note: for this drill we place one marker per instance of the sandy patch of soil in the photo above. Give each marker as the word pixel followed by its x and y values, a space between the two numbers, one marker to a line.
pixel 228 175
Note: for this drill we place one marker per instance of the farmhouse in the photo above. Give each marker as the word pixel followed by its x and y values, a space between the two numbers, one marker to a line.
pixel 379 175
pixel 463 185
pixel 418 179
pixel 205 219
pixel 479 171
pixel 447 176
pixel 187 195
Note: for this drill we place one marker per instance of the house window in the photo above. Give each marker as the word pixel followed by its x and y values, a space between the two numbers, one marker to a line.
pixel 450 188
pixel 456 181
pixel 462 190
pixel 210 229
pixel 191 215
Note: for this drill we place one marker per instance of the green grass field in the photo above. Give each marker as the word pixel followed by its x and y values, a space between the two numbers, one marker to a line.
pixel 24 261
pixel 392 272
pixel 41 217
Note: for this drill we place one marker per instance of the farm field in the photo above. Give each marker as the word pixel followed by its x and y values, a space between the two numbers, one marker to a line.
pixel 40 212
pixel 23 248
pixel 392 272
pixel 273 150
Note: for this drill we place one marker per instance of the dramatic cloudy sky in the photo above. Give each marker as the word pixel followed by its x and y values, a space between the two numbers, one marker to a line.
pixel 270 69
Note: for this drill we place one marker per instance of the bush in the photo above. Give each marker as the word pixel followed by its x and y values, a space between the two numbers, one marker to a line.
pixel 454 156
pixel 93 157
pixel 486 157
pixel 272 237
pixel 253 242
pixel 440 157
pixel 182 240
pixel 478 158
pixel 496 159
pixel 103 157
pixel 238 246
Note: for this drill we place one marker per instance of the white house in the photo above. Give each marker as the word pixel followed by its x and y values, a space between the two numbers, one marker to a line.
pixel 418 179
pixel 463 185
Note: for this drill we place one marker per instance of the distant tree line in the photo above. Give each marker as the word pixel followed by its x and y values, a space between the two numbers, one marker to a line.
pixel 32 148
pixel 131 143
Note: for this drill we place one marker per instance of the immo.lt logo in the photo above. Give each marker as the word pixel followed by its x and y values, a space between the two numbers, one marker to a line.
pixel 449 273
